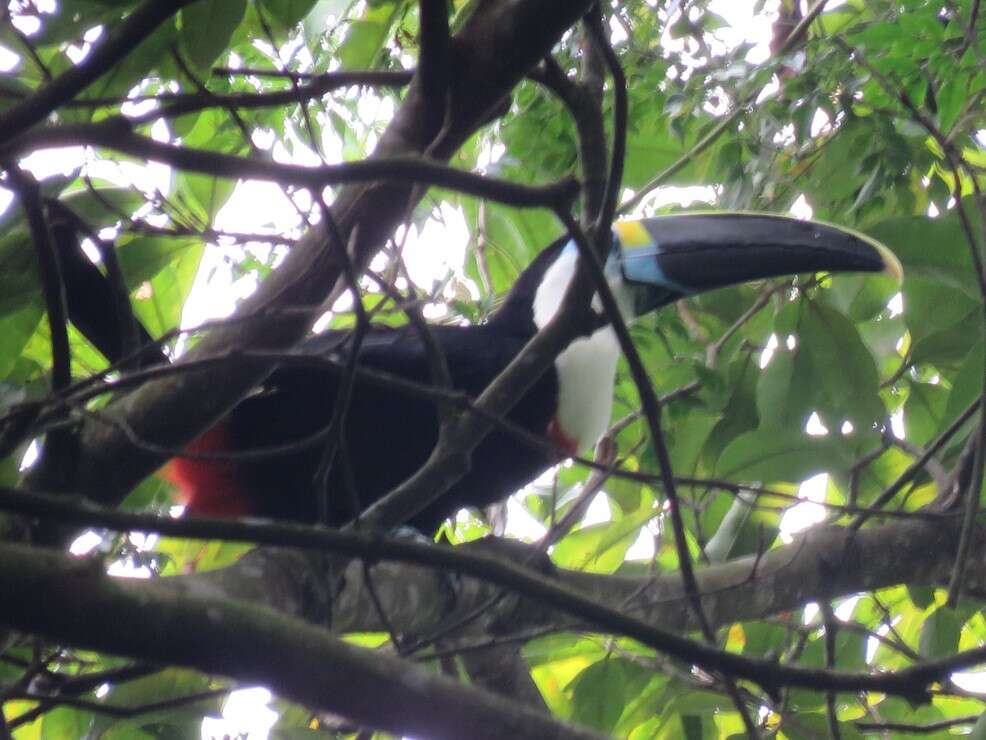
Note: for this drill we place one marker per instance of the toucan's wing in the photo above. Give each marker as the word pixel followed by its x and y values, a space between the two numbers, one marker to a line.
pixel 474 355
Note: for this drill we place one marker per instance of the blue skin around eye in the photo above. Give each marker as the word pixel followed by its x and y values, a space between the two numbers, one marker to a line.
pixel 640 265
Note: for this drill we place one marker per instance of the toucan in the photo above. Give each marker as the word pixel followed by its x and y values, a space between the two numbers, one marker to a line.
pixel 388 432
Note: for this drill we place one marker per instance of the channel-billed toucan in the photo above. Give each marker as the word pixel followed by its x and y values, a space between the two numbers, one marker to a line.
pixel 389 433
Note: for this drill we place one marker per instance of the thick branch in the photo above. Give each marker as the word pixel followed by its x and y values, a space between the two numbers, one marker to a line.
pixel 67 600
pixel 832 562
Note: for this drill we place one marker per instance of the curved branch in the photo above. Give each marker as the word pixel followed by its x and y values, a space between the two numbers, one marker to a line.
pixel 117 134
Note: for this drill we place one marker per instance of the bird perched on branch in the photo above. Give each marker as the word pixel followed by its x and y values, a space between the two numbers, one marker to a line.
pixel 390 427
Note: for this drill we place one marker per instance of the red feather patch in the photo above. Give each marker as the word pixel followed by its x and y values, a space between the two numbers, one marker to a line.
pixel 209 487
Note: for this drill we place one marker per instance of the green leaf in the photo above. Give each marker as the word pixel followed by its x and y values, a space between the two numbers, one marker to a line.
pixel 932 306
pixel 19 279
pixel 601 691
pixel 511 238
pixel 103 206
pixel 968 383
pixel 66 722
pixel 774 455
pixel 842 367
pixel 206 28
pixel 287 12
pixel 784 390
pixel 924 412
pixel 947 346
pixel 940 634
pixel 170 266
pixel 171 683
pixel 860 297
pixel 369 33
pixel 600 548
pixel 72 19
pixel 16 330
pixel 317 20
pixel 205 193
pixel 921 596
pixel 934 249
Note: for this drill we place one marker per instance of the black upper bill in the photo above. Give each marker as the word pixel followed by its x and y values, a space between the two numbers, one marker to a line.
pixel 692 253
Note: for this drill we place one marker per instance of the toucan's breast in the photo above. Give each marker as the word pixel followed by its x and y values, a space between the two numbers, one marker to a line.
pixel 586 375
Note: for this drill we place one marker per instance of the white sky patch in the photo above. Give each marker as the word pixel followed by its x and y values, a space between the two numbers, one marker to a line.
pixel 814 427
pixel 47 163
pixel 8 59
pixel 257 207
pixel 437 248
pixel 820 123
pixel 768 351
pixel 897 423
pixel 971 681
pixel 245 716
pixel 644 547
pixel 800 208
pixel 617 34
pixel 745 27
pixel 807 513
pixel 785 136
pixel 598 512
pixel 671 195
pixel 30 456
pixel 521 524
pixel 122 569
pixel 85 543
pixel 300 152
pixel 26 24
pixel 215 292
pixel 896 305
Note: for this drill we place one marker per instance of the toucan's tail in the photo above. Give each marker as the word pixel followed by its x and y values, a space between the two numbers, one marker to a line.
pixel 101 311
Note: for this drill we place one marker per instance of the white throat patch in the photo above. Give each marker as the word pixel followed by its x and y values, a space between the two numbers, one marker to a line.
pixel 587 368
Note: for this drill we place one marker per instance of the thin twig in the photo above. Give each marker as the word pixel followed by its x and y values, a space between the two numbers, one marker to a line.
pixel 915 468
pixel 915 729
pixel 831 631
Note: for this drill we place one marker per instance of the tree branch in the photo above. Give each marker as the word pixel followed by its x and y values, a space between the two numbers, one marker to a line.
pixel 67 600
pixel 117 134
pixel 826 563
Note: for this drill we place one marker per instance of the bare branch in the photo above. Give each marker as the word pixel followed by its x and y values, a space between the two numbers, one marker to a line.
pixel 117 134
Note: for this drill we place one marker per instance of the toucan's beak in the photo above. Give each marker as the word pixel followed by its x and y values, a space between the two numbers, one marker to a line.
pixel 681 255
